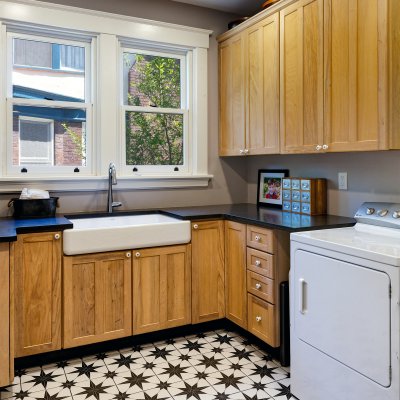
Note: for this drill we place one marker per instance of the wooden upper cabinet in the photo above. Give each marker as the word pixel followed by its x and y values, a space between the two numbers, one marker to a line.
pixel 208 270
pixel 36 262
pixel 235 262
pixel 262 60
pixel 301 36
pixel 231 96
pixel 356 71
pixel 161 288
pixel 97 297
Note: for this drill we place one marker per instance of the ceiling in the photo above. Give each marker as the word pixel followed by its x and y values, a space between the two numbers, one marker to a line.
pixel 240 7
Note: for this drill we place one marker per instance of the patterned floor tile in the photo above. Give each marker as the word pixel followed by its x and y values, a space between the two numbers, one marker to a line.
pixel 215 365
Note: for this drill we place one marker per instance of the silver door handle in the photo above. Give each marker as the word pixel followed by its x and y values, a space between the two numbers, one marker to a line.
pixel 302 286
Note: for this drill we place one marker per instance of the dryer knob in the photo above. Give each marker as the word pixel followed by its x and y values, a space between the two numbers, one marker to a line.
pixel 370 210
pixel 383 213
pixel 396 214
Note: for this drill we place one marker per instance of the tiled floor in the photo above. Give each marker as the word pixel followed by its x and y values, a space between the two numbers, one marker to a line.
pixel 216 365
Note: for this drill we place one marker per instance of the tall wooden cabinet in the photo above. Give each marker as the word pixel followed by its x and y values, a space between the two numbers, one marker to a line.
pixel 356 73
pixel 6 333
pixel 36 260
pixel 235 264
pixel 97 297
pixel 161 288
pixel 302 76
pixel 208 271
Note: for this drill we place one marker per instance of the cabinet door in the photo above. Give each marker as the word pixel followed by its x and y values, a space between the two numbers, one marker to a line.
pixel 6 359
pixel 356 74
pixel 235 267
pixel 161 288
pixel 231 96
pixel 262 51
pixel 97 298
pixel 208 270
pixel 37 266
pixel 302 76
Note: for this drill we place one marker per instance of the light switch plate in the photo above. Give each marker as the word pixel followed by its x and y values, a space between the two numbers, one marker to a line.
pixel 342 180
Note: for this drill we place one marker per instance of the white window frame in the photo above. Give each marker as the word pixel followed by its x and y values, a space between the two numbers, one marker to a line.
pixel 50 123
pixel 47 170
pixel 184 111
pixel 104 117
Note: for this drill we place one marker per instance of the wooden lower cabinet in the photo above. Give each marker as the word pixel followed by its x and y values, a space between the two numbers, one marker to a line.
pixel 97 297
pixel 6 356
pixel 161 288
pixel 36 261
pixel 262 320
pixel 208 271
pixel 235 273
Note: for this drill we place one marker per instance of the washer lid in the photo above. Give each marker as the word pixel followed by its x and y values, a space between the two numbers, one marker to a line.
pixel 366 241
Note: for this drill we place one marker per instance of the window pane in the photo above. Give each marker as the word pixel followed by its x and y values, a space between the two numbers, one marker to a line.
pixel 49 136
pixel 152 81
pixel 50 71
pixel 154 139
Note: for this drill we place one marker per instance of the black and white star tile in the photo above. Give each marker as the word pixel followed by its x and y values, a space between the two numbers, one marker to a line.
pixel 216 365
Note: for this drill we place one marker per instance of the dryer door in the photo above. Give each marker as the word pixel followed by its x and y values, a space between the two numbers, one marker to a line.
pixel 343 310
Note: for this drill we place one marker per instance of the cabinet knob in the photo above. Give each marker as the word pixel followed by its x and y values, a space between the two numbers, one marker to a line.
pixel 137 254
pixel 258 318
pixel 195 226
pixel 257 238
pixel 241 151
pixel 246 151
pixel 318 147
pixel 57 236
pixel 128 254
pixel 258 286
pixel 257 263
pixel 325 147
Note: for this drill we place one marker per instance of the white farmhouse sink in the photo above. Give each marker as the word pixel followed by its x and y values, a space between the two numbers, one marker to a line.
pixel 124 232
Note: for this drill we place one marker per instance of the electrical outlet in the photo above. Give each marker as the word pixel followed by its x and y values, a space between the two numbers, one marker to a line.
pixel 342 180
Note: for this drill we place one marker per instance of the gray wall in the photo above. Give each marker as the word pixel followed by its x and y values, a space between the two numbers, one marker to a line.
pixel 229 183
pixel 372 176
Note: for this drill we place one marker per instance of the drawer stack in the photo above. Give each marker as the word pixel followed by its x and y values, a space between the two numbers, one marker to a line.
pixel 262 285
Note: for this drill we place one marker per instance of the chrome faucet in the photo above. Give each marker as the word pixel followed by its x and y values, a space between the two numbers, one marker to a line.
pixel 112 180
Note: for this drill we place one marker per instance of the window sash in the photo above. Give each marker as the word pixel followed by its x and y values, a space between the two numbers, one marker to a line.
pixel 185 168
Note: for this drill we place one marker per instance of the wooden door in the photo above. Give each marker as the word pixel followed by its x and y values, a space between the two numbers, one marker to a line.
pixel 356 71
pixel 208 271
pixel 6 358
pixel 231 96
pixel 301 46
pixel 97 297
pixel 235 269
pixel 161 288
pixel 262 51
pixel 37 265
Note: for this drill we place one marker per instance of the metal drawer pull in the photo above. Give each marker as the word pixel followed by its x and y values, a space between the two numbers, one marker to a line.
pixel 57 236
pixel 137 254
pixel 258 286
pixel 258 318
pixel 257 238
pixel 257 263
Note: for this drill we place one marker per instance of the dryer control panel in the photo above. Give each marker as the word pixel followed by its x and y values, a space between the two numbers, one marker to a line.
pixel 381 214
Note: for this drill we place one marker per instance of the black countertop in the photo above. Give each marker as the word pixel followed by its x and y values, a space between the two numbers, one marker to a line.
pixel 245 213
pixel 10 227
pixel 267 217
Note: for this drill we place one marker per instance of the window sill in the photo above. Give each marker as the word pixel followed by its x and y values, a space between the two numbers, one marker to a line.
pixel 90 184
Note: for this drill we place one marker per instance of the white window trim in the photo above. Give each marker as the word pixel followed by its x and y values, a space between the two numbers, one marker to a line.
pixel 107 28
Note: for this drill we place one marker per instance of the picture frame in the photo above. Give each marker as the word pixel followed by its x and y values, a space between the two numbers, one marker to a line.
pixel 269 193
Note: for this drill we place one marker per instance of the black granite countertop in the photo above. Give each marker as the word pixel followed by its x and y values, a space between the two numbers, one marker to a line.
pixel 245 213
pixel 262 216
pixel 10 227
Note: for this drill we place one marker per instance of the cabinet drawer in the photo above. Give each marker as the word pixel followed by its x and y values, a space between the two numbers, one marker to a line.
pixel 260 238
pixel 261 320
pixel 260 262
pixel 260 286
